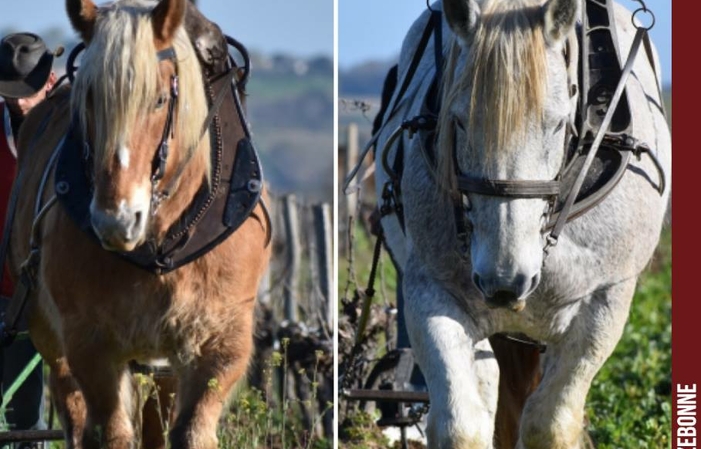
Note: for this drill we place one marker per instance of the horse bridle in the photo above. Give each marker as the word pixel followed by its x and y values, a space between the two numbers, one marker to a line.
pixel 550 190
pixel 161 156
pixel 160 159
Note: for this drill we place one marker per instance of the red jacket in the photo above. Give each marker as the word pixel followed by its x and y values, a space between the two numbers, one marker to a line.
pixel 8 169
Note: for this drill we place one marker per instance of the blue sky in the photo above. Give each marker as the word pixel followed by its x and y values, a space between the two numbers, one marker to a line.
pixel 299 27
pixel 368 29
pixel 374 29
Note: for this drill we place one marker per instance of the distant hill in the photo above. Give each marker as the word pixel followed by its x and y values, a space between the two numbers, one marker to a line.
pixel 290 105
pixel 364 79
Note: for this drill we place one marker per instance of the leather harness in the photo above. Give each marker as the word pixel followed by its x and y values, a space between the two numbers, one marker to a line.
pixel 576 189
pixel 216 211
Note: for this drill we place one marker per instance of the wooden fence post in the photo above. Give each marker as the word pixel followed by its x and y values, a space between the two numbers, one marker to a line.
pixel 294 254
pixel 324 257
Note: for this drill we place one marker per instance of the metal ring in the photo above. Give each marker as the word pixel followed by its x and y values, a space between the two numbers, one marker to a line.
pixel 643 10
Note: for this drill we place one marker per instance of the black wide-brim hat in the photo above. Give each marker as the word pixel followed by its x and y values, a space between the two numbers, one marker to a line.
pixel 25 65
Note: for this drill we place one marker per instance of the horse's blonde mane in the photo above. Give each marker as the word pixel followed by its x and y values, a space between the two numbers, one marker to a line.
pixel 118 82
pixel 506 68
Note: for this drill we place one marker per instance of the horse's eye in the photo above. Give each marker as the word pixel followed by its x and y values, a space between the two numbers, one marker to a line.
pixel 161 101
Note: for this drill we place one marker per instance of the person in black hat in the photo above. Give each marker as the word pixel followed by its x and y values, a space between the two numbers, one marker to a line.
pixel 26 78
pixel 26 75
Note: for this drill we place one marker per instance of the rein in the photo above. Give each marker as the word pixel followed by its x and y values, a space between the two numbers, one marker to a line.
pixel 432 27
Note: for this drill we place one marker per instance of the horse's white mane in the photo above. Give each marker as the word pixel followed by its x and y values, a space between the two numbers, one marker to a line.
pixel 506 69
pixel 118 81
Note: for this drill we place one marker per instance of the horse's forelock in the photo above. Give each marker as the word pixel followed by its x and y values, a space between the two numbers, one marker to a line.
pixel 119 81
pixel 506 68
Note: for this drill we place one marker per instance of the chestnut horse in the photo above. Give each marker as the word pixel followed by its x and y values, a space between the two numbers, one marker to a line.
pixel 91 311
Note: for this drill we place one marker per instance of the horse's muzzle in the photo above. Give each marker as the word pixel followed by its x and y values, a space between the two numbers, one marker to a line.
pixel 122 231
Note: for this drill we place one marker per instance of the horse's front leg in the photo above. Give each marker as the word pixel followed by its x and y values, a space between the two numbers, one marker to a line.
pixel 204 386
pixel 68 400
pixel 458 364
pixel 108 390
pixel 65 391
pixel 554 414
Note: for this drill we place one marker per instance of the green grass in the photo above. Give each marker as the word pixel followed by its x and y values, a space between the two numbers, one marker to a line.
pixel 629 404
pixel 256 423
pixel 251 421
pixel 386 283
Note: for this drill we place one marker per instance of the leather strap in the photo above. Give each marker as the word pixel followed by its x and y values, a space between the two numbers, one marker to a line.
pixel 508 188
pixel 226 81
pixel 584 205
pixel 437 43
pixel 433 22
pixel 219 99
pixel 569 202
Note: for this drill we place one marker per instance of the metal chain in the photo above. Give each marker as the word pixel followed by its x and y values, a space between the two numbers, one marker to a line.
pixel 416 413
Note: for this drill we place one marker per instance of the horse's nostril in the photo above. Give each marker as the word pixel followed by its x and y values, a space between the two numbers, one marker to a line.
pixel 138 216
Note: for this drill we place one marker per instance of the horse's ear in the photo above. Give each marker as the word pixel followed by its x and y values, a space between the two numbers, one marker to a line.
pixel 82 14
pixel 560 18
pixel 462 16
pixel 167 17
